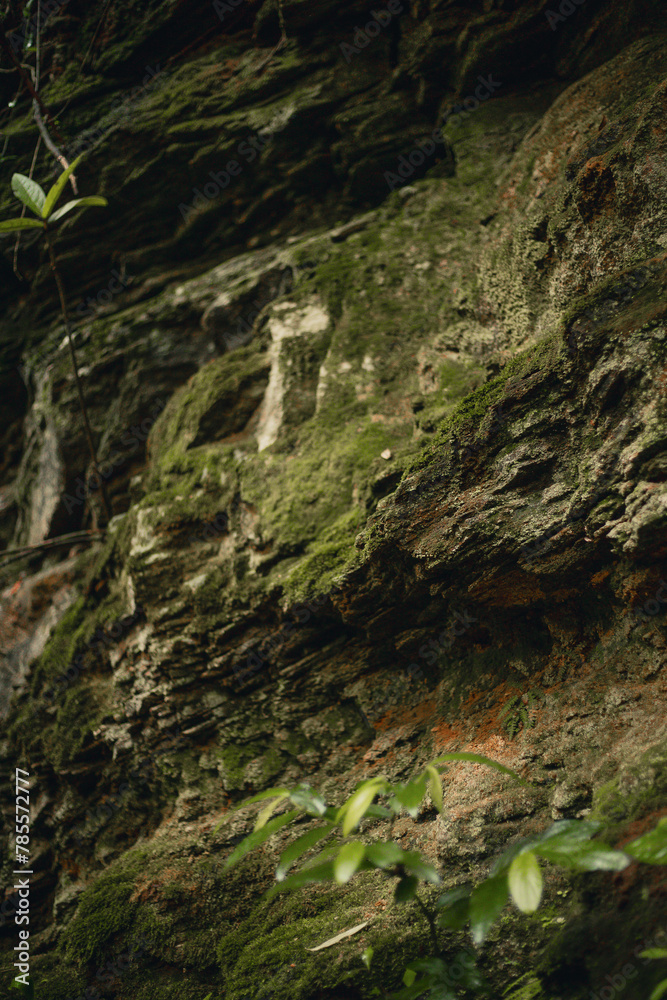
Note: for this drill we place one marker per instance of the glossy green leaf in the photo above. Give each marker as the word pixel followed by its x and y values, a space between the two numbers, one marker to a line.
pixel 570 830
pixel 385 855
pixel 58 188
pixel 299 847
pixel 651 847
pixel 486 902
pixel 265 814
pixel 259 837
pixel 11 225
pixel 328 852
pixel 435 787
pixel 367 957
pixel 410 796
pixel 415 865
pixel 354 810
pixel 589 856
pixel 88 202
pixel 653 953
pixel 409 977
pixel 349 860
pixel 524 880
pixel 477 758
pixel 29 192
pixel 406 889
pixel 308 800
pixel 268 794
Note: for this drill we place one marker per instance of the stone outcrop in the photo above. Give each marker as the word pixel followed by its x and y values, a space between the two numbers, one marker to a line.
pixel 387 464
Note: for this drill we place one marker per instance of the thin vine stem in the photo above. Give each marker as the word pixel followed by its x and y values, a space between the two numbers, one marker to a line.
pixel 82 402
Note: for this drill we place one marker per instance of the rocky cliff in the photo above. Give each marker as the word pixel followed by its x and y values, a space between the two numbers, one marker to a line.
pixel 381 409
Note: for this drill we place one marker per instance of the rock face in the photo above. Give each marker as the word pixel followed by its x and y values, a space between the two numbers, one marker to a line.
pixel 384 431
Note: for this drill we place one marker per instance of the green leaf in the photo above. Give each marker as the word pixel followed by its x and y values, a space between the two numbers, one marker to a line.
pixel 659 991
pixel 29 192
pixel 88 202
pixel 367 957
pixel 435 787
pixel 349 861
pixel 524 880
pixel 308 800
pixel 328 852
pixel 385 855
pixel 299 847
pixel 318 873
pixel 651 847
pixel 354 810
pixel 583 856
pixel 409 977
pixel 455 906
pixel 268 794
pixel 265 814
pixel 11 225
pixel 58 187
pixel 570 830
pixel 406 889
pixel 414 864
pixel 486 902
pixel 258 837
pixel 410 796
pixel 478 758
pixel 653 953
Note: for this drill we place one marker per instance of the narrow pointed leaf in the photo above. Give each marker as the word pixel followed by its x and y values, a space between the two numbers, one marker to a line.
pixel 340 937
pixel 266 813
pixel 259 836
pixel 478 758
pixel 267 794
pixel 486 902
pixel 58 187
pixel 415 865
pixel 299 847
pixel 653 953
pixel 29 192
pixel 11 225
pixel 367 957
pixel 435 787
pixel 355 808
pixel 89 202
pixel 659 991
pixel 524 880
pixel 349 860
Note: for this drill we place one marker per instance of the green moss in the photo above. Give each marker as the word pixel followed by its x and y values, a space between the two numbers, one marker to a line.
pixel 105 910
pixel 637 790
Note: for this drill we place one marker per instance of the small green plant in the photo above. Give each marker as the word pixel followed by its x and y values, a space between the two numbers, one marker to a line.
pixel 516 874
pixel 519 712
pixel 43 206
